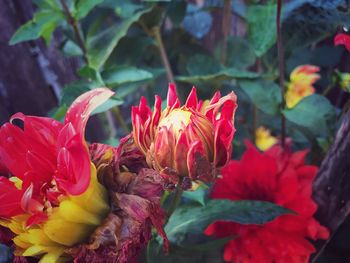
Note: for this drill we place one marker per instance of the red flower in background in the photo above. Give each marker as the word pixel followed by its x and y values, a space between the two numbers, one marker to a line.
pixel 342 39
pixel 186 141
pixel 277 176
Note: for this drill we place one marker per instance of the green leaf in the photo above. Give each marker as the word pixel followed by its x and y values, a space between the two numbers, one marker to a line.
pixel 194 219
pixel 197 196
pixel 83 7
pixel 73 90
pixel 265 95
pixel 225 74
pixel 314 112
pixel 42 24
pixel 239 53
pixel 71 49
pixel 124 75
pixel 202 64
pixel 262 27
pixel 109 104
pixel 101 46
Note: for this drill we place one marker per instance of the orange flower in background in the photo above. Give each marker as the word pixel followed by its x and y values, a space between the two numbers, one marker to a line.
pixel 301 83
pixel 278 176
pixel 189 141
pixel 49 194
pixel 263 139
pixel 342 39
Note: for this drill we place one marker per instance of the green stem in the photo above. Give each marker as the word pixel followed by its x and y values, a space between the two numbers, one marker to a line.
pixel 163 54
pixel 177 198
pixel 118 115
pixel 281 69
pixel 74 24
pixel 226 26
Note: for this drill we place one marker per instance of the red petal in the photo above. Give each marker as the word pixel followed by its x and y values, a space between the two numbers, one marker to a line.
pixel 198 164
pixel 164 147
pixel 192 100
pixel 73 166
pixel 181 149
pixel 342 39
pixel 10 199
pixel 172 99
pixel 223 137
pixel 80 110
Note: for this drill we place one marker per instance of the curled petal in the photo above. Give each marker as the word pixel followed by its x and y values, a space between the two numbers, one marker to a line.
pixel 80 110
pixel 181 149
pixel 73 167
pixel 164 147
pixel 224 132
pixel 228 103
pixel 342 39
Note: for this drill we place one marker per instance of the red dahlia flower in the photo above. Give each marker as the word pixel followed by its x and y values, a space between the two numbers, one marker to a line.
pixel 276 176
pixel 342 39
pixel 49 194
pixel 186 141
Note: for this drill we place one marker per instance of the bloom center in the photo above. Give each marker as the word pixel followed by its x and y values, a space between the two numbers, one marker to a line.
pixel 176 120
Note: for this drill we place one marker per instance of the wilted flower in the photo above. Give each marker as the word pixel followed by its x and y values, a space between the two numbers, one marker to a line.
pixel 135 192
pixel 50 197
pixel 301 83
pixel 189 141
pixel 278 176
pixel 342 39
pixel 263 138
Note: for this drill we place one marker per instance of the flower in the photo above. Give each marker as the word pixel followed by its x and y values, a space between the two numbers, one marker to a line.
pixel 52 199
pixel 135 192
pixel 301 80
pixel 342 39
pixel 278 176
pixel 189 141
pixel 263 138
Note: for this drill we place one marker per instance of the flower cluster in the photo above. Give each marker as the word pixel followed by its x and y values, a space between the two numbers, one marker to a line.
pixel 63 198
pixel 278 176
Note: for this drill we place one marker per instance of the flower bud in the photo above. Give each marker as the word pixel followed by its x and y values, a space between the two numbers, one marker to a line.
pixel 186 141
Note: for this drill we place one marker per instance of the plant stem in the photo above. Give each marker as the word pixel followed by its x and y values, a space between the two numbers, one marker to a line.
pixel 177 198
pixel 118 115
pixel 226 26
pixel 74 24
pixel 163 54
pixel 281 69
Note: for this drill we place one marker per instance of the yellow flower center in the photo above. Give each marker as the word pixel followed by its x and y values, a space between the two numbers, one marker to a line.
pixel 176 120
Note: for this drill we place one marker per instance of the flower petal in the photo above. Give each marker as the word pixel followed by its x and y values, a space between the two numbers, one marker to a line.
pixel 80 110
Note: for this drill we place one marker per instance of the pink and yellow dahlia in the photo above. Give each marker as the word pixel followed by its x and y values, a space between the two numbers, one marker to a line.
pixel 49 194
pixel 189 141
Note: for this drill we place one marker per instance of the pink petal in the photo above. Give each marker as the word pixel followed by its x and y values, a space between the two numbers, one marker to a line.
pixel 80 110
